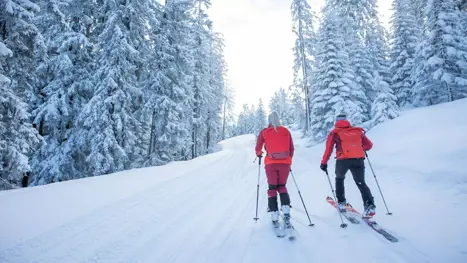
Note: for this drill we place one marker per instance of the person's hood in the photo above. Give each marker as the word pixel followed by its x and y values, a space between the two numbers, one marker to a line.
pixel 342 124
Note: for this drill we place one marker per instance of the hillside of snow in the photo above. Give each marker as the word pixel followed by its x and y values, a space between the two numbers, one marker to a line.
pixel 201 211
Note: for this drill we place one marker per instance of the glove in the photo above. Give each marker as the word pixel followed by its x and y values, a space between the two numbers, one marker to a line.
pixel 259 154
pixel 324 167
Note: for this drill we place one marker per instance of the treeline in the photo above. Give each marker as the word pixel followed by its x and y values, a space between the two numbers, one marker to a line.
pixel 347 62
pixel 94 87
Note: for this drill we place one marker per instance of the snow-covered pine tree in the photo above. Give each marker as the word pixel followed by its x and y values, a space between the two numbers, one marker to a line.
pixel 403 46
pixel 297 101
pixel 108 129
pixel 208 80
pixel 362 19
pixel 441 76
pixel 18 139
pixel 246 122
pixel 167 91
pixel 418 10
pixel 66 86
pixel 228 122
pixel 217 73
pixel 24 39
pixel 335 79
pixel 303 26
pixel 384 107
pixel 377 43
pixel 20 48
pixel 201 54
pixel 383 102
pixel 260 118
pixel 361 60
pixel 280 103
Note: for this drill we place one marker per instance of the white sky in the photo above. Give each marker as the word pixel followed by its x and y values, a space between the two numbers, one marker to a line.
pixel 259 41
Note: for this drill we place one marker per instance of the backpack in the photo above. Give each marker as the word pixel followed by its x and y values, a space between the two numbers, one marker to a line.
pixel 350 142
pixel 277 143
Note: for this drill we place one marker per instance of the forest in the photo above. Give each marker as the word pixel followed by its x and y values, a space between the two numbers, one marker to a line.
pixel 93 87
pixel 347 61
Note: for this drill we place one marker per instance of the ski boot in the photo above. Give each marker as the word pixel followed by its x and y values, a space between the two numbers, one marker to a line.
pixel 275 218
pixel 342 207
pixel 286 211
pixel 369 211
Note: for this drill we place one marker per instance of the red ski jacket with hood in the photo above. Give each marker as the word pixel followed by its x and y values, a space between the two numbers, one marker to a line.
pixel 278 144
pixel 334 139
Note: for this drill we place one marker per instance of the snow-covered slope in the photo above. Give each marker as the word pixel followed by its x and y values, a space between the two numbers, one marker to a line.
pixel 202 210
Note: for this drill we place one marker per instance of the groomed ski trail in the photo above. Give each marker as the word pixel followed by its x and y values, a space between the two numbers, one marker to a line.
pixel 205 215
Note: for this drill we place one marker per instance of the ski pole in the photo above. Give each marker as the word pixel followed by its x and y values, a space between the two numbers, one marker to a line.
pixel 343 225
pixel 381 192
pixel 257 190
pixel 293 177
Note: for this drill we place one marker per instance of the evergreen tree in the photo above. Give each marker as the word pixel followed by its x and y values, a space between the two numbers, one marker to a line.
pixel 201 86
pixel 336 87
pixel 376 41
pixel 418 10
pixel 404 42
pixel 280 103
pixel 228 123
pixel 441 76
pixel 358 17
pixel 246 123
pixel 297 101
pixel 303 23
pixel 24 39
pixel 165 112
pixel 20 47
pixel 66 88
pixel 260 118
pixel 108 133
pixel 384 107
pixel 217 73
pixel 18 139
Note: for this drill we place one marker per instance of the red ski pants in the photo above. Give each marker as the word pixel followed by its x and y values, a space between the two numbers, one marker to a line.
pixel 277 175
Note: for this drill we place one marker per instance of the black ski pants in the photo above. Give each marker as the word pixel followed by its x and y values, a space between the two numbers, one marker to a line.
pixel 357 168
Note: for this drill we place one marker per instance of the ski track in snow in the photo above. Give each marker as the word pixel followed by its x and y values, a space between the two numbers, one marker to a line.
pixel 203 213
pixel 205 218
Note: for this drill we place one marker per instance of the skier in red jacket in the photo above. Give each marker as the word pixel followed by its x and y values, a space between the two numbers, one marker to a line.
pixel 279 147
pixel 351 144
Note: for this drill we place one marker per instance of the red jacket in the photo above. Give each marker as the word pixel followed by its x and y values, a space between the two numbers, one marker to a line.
pixel 333 140
pixel 262 140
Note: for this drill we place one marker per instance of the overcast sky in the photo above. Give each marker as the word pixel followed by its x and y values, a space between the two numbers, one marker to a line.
pixel 259 41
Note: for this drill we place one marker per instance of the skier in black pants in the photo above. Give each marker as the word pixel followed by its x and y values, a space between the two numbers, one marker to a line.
pixel 351 144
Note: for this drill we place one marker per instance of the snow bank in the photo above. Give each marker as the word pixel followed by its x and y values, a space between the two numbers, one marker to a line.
pixel 420 160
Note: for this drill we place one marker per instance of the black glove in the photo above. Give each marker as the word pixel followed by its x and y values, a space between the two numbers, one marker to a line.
pixel 324 167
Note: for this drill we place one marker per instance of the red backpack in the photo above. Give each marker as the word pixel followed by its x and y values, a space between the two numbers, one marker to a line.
pixel 350 142
pixel 277 143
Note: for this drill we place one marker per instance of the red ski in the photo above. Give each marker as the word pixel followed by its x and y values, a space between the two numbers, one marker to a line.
pixel 373 224
pixel 348 216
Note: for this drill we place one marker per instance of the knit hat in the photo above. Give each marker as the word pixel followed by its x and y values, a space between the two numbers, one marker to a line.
pixel 341 116
pixel 273 120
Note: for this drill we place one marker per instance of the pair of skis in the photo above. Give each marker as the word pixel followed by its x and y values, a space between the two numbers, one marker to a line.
pixel 353 216
pixel 284 229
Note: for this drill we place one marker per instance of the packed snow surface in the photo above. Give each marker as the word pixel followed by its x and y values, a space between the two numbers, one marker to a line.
pixel 201 211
